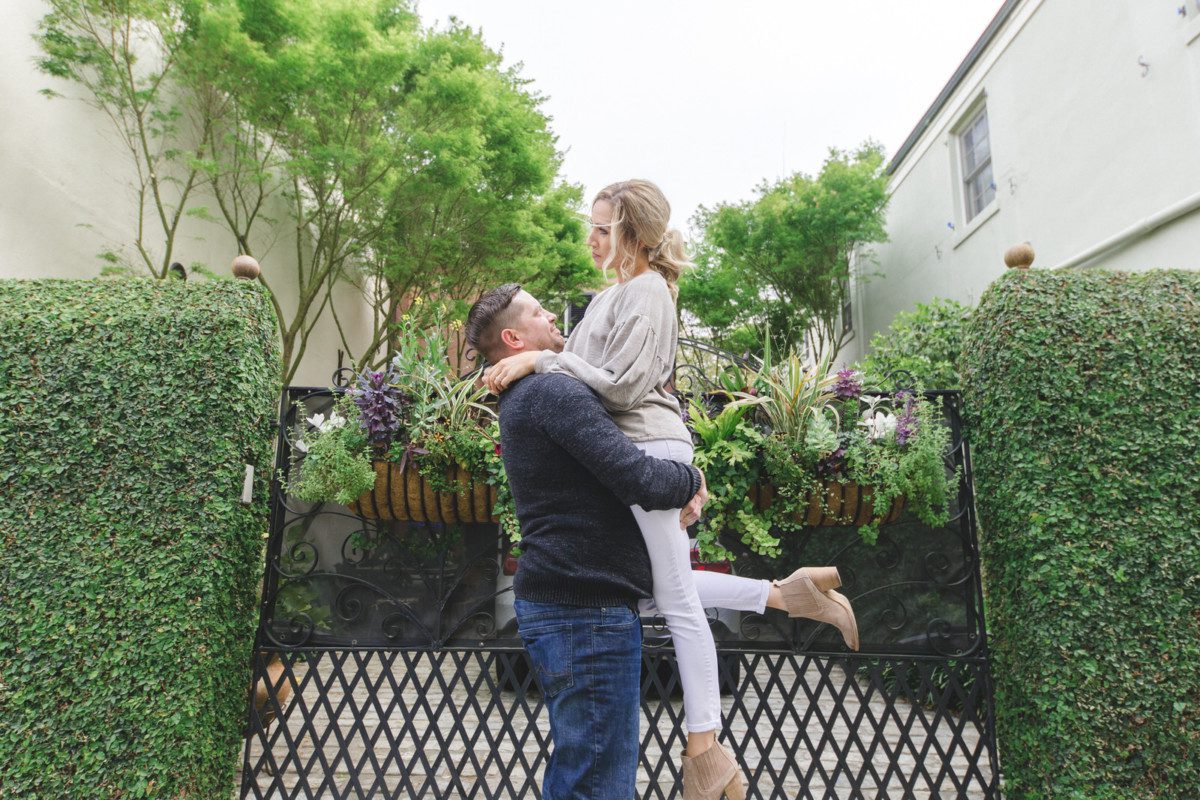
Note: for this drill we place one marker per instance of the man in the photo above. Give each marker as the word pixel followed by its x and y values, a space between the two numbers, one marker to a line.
pixel 583 564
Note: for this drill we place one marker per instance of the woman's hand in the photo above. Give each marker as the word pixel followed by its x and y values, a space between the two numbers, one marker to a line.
pixel 507 371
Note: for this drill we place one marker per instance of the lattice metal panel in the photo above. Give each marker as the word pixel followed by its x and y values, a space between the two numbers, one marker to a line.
pixel 469 724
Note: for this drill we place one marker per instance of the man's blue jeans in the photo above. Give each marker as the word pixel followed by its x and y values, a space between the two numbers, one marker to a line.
pixel 588 665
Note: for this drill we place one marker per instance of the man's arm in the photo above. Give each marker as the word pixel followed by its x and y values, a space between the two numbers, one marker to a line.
pixel 572 415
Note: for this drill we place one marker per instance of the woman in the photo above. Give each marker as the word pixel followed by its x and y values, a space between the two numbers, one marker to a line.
pixel 624 349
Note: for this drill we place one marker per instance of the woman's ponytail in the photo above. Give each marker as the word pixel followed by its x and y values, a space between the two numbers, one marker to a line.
pixel 669 259
pixel 641 214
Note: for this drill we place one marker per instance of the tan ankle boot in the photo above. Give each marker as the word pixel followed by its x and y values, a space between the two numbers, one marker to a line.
pixel 711 774
pixel 809 592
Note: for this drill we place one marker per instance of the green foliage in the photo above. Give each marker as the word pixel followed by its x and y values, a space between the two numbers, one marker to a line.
pixel 443 423
pixel 337 463
pixel 915 470
pixel 407 160
pixel 926 343
pixel 128 566
pixel 783 259
pixel 727 453
pixel 101 46
pixel 438 180
pixel 1082 392
pixel 807 431
pixel 796 395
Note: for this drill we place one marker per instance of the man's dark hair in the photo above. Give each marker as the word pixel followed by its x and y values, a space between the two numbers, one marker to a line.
pixel 491 314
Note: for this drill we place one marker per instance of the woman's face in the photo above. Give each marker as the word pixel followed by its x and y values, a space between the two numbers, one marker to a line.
pixel 600 240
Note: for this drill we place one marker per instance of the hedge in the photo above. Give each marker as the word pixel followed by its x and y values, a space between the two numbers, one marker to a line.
pixel 1082 389
pixel 128 566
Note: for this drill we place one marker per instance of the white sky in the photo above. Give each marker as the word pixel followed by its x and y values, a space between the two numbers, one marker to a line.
pixel 709 97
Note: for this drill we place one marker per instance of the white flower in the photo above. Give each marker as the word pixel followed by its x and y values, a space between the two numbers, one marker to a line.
pixel 878 426
pixel 319 422
pixel 301 446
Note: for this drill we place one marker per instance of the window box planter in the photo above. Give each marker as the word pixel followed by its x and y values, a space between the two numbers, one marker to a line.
pixel 845 503
pixel 406 495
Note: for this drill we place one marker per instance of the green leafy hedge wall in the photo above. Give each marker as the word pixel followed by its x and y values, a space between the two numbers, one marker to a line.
pixel 1083 389
pixel 128 566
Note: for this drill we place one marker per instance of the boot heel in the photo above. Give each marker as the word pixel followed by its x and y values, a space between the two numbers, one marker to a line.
pixel 824 578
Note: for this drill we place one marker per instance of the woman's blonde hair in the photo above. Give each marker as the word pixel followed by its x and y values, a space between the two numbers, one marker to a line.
pixel 641 217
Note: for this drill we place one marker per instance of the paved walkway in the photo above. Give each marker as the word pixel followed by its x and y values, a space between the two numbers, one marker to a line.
pixel 420 752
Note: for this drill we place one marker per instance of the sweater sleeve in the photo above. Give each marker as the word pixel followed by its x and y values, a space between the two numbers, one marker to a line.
pixel 572 416
pixel 637 352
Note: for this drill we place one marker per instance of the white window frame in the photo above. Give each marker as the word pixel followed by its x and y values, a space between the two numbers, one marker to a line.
pixel 962 224
pixel 970 211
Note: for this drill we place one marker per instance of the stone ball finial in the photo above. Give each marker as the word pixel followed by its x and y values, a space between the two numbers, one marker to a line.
pixel 246 267
pixel 1019 256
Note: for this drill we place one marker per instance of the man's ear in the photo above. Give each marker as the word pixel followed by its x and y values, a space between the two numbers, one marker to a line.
pixel 511 339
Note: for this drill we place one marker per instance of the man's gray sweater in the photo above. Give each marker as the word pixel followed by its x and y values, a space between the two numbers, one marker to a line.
pixel 573 476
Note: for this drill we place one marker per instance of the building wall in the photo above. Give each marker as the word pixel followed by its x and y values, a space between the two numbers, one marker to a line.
pixel 1085 143
pixel 66 195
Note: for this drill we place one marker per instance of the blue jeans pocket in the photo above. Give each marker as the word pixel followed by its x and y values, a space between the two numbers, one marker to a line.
pixel 552 652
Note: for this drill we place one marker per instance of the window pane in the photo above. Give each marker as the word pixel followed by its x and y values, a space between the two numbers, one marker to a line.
pixel 975 145
pixel 968 147
pixel 981 150
pixel 980 191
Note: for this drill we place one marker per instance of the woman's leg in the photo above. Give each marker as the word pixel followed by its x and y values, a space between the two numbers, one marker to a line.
pixel 677 600
pixel 718 590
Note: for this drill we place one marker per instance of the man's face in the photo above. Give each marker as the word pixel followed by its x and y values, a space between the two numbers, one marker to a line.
pixel 534 325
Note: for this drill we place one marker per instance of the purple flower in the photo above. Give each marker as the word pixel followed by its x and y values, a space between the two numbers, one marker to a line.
pixel 846 387
pixel 379 405
pixel 906 420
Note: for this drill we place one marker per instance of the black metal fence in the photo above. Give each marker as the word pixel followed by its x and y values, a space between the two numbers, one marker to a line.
pixel 395 669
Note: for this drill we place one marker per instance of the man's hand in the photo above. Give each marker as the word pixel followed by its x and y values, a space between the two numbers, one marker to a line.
pixel 507 371
pixel 691 512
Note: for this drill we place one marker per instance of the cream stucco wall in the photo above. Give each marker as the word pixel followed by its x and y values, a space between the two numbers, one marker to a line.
pixel 66 195
pixel 1084 146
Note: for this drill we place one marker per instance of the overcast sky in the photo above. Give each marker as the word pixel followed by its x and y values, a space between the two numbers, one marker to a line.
pixel 710 98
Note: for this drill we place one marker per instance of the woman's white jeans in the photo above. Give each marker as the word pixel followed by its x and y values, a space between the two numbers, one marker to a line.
pixel 681 595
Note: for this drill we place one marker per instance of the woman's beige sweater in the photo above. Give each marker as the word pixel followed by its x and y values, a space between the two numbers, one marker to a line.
pixel 624 349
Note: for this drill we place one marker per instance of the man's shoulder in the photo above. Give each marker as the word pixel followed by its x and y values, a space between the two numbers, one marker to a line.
pixel 547 387
pixel 558 384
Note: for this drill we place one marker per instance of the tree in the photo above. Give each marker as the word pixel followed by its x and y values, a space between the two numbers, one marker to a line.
pixel 925 343
pixel 420 168
pixel 406 161
pixel 126 56
pixel 782 261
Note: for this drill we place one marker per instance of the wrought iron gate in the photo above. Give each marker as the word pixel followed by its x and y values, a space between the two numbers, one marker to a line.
pixel 395 670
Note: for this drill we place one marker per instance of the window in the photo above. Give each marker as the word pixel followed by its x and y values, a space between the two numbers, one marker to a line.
pixel 978 187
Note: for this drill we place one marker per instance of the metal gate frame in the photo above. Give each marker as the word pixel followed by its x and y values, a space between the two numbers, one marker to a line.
pixel 407 680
